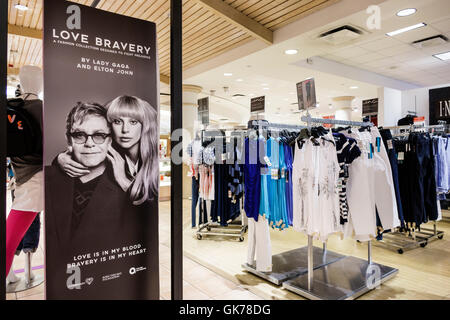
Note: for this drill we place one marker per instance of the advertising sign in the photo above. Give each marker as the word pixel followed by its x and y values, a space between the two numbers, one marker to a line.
pixel 203 111
pixel 258 104
pixel 370 107
pixel 439 105
pixel 101 134
pixel 306 93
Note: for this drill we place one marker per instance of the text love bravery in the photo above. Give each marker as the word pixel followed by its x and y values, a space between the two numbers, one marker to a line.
pixel 101 42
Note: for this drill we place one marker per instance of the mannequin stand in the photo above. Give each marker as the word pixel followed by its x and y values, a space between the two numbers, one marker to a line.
pixel 25 284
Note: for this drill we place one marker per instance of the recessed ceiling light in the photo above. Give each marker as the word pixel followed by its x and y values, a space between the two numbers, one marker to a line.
pixel 21 7
pixel 291 51
pixel 227 74
pixel 399 31
pixel 266 88
pixel 406 12
pixel 354 87
pixel 239 80
pixel 443 56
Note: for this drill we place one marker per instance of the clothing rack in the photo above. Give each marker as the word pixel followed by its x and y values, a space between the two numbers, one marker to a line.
pixel 271 125
pixel 309 120
pixel 403 241
pixel 234 229
pixel 334 276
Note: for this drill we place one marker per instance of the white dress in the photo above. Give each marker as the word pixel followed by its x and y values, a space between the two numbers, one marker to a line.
pixel 315 197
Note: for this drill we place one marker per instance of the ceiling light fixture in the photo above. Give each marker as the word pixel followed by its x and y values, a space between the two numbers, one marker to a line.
pixel 239 80
pixel 354 87
pixel 227 74
pixel 291 51
pixel 443 56
pixel 21 7
pixel 265 88
pixel 399 31
pixel 406 12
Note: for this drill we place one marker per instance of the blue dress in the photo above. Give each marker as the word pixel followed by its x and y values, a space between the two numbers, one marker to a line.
pixel 283 223
pixel 273 151
pixel 264 207
pixel 288 159
pixel 252 178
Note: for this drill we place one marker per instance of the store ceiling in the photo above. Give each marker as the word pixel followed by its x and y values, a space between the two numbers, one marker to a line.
pixel 393 59
pixel 210 27
pixel 395 56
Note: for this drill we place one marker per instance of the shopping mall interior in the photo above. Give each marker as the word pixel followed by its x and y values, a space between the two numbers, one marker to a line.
pixel 371 60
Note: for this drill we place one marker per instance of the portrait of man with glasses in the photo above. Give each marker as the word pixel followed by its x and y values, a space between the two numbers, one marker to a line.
pixel 85 214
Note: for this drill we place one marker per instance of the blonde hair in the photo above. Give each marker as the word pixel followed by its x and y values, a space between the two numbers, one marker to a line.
pixel 145 185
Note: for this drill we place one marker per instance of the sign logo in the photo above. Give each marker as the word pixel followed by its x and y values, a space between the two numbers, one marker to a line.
pixel 73 281
pixel 374 20
pixel 373 277
pixel 258 104
pixel 134 270
pixel 89 281
pixel 74 20
pixel 444 108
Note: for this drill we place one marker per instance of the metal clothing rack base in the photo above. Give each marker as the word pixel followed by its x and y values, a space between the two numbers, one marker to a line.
pixel 291 264
pixel 345 279
pixel 430 234
pixel 27 283
pixel 234 229
pixel 400 242
pixel 215 229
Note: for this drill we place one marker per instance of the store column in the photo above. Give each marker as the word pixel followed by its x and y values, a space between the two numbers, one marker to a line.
pixel 190 117
pixel 344 107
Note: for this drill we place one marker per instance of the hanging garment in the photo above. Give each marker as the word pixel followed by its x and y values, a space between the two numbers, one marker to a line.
pixel 347 151
pixel 252 178
pixel 259 251
pixel 264 205
pixel 315 198
pixel 236 176
pixel 387 206
pixel 361 189
pixel 281 194
pixel 424 205
pixel 389 146
pixel 288 160
pixel 194 201
pixel 272 183
pixel 440 145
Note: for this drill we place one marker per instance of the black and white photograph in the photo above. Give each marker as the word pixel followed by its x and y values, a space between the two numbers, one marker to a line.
pixel 100 155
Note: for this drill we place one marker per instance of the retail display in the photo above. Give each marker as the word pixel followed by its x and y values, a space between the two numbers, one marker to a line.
pixel 217 183
pixel 419 160
pixel 334 177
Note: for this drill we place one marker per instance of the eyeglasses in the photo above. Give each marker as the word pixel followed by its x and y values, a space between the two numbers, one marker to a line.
pixel 81 137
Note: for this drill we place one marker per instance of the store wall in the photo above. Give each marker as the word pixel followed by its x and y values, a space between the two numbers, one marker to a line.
pixel 418 100
pixel 389 106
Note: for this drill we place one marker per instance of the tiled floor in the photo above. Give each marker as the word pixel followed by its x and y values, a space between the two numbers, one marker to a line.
pixel 200 283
